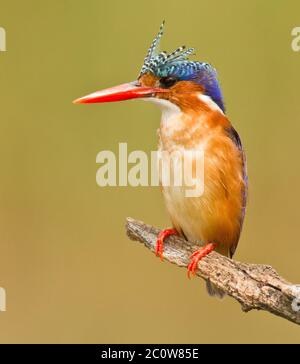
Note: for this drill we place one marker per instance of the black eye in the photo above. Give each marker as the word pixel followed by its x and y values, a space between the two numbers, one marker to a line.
pixel 166 82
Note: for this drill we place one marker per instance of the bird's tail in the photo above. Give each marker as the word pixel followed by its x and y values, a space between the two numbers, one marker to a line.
pixel 213 290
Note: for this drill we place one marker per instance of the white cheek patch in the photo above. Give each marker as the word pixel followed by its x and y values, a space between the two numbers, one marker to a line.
pixel 169 110
pixel 209 102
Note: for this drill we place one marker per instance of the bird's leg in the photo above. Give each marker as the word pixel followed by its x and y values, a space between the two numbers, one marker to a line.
pixel 160 241
pixel 197 256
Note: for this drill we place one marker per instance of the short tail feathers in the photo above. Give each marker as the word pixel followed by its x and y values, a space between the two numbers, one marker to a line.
pixel 213 290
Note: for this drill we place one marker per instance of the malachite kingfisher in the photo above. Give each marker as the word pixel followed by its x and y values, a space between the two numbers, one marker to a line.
pixel 193 118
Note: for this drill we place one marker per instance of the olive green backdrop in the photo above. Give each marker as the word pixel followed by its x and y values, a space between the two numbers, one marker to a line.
pixel 70 273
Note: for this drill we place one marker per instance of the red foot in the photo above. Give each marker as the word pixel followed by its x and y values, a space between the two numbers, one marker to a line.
pixel 160 241
pixel 197 256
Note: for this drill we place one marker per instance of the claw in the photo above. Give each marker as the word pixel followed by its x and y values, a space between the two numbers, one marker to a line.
pixel 197 256
pixel 160 241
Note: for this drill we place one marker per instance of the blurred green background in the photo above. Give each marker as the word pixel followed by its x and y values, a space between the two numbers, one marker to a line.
pixel 70 273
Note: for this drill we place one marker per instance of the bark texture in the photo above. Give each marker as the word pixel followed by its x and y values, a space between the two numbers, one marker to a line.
pixel 255 286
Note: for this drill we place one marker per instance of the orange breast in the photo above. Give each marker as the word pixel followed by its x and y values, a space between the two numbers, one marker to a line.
pixel 215 216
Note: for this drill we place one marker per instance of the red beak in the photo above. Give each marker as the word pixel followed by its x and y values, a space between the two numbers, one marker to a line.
pixel 122 92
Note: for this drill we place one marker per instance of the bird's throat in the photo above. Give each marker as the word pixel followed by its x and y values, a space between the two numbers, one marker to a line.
pixel 189 128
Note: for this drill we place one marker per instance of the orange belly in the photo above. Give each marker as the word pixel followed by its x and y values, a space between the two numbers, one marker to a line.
pixel 215 216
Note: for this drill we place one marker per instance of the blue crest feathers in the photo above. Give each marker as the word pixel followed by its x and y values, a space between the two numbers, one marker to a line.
pixel 164 64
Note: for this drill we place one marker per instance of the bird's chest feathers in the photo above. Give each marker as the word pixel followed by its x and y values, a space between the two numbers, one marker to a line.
pixel 190 130
pixel 223 172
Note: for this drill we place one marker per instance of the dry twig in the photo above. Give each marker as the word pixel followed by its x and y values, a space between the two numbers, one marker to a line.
pixel 255 286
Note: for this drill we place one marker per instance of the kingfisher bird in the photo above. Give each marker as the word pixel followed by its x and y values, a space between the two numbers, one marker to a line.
pixel 193 118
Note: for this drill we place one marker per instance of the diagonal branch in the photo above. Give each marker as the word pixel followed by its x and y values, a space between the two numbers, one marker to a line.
pixel 255 286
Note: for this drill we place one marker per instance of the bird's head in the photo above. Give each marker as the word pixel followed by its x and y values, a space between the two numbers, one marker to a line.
pixel 166 76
